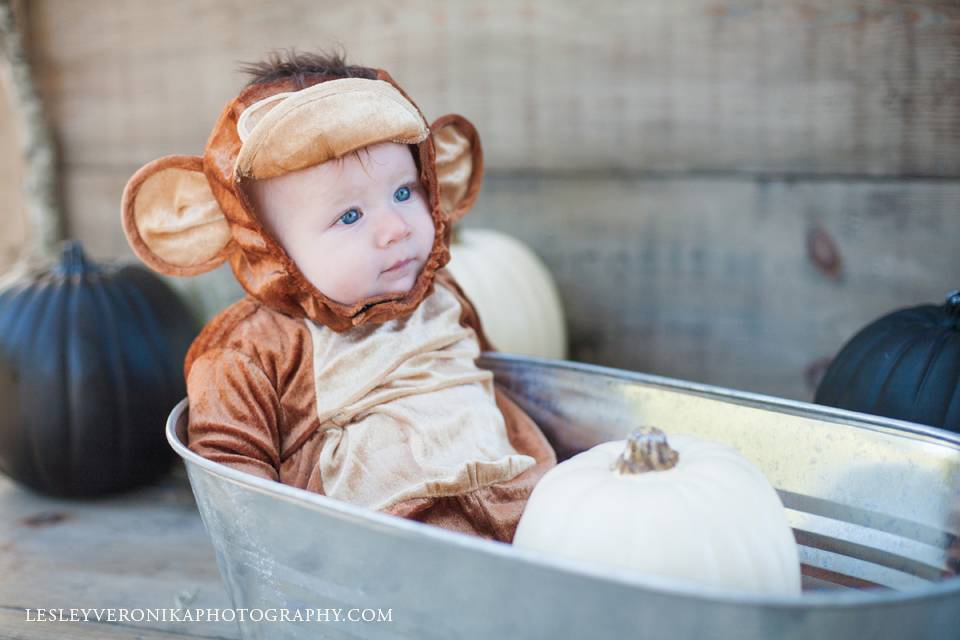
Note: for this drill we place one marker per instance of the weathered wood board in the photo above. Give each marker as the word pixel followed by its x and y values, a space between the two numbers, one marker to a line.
pixel 805 86
pixel 671 161
pixel 144 549
pixel 710 279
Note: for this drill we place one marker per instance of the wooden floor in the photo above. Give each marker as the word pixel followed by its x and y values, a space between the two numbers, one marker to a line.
pixel 146 549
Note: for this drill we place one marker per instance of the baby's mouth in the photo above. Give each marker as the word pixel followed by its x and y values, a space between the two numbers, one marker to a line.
pixel 400 266
pixel 397 266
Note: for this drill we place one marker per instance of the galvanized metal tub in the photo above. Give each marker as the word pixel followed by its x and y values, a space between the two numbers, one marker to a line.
pixel 873 503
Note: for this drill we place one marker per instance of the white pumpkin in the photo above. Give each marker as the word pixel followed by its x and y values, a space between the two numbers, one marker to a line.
pixel 697 511
pixel 514 294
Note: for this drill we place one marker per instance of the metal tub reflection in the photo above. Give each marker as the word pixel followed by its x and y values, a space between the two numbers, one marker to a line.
pixel 873 503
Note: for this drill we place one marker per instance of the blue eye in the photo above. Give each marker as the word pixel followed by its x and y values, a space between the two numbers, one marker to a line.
pixel 351 216
pixel 401 194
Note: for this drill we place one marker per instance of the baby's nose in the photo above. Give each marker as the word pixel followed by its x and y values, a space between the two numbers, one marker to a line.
pixel 393 227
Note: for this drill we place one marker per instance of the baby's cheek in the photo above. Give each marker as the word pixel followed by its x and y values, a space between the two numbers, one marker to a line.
pixel 324 267
pixel 347 288
pixel 425 227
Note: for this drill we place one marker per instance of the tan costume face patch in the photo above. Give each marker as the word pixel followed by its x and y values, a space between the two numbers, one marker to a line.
pixel 323 122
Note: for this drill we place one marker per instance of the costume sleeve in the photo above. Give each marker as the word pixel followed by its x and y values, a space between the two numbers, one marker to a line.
pixel 469 317
pixel 234 413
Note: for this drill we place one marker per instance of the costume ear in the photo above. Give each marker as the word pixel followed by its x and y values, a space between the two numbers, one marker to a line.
pixel 459 164
pixel 171 218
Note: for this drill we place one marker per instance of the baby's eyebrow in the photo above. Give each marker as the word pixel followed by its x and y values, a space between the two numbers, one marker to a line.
pixel 404 174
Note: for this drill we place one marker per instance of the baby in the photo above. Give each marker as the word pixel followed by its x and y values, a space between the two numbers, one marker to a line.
pixel 349 369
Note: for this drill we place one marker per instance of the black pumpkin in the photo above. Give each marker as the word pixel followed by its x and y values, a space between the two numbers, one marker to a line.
pixel 906 365
pixel 90 365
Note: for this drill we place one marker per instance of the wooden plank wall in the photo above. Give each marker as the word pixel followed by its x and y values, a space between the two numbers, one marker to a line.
pixel 725 189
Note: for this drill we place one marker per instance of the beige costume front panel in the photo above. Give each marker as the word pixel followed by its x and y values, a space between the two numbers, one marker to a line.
pixel 405 412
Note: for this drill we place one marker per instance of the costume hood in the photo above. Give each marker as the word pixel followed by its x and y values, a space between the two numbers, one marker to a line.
pixel 184 215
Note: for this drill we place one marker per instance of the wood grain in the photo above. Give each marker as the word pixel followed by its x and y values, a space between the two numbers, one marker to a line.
pixel 144 549
pixel 725 190
pixel 708 279
pixel 862 87
pixel 711 279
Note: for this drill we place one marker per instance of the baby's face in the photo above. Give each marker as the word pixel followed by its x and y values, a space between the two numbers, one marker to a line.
pixel 347 222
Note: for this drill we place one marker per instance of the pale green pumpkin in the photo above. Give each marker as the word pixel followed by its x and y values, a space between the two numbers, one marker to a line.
pixel 512 291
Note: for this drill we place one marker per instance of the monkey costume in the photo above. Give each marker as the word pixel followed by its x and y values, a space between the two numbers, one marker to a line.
pixel 379 403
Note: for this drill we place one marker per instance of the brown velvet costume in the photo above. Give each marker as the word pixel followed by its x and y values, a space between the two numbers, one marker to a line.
pixel 259 374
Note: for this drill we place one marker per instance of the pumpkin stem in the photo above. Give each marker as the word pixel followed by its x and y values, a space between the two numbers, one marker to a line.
pixel 953 303
pixel 73 261
pixel 647 450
